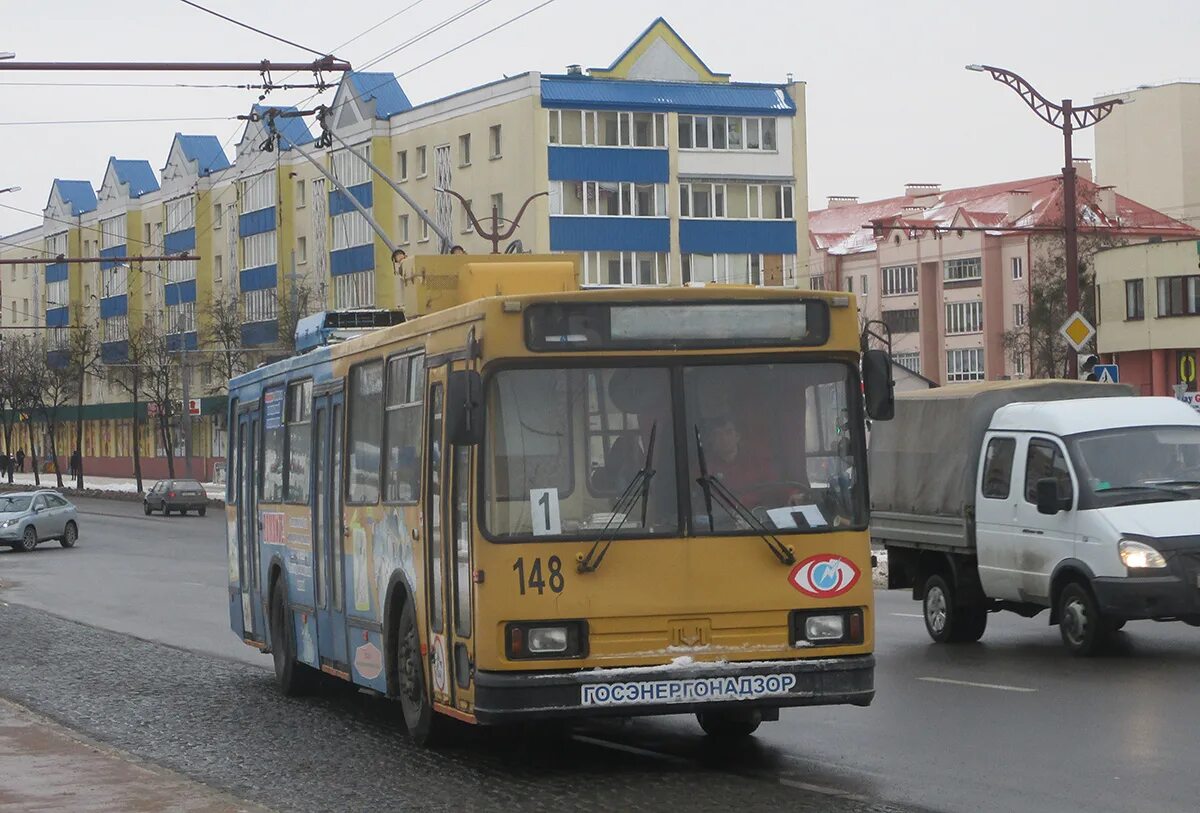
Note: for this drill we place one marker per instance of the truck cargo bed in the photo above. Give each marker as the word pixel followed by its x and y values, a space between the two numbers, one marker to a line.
pixel 921 531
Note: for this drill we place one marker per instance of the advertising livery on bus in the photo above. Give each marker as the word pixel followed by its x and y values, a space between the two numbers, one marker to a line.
pixel 530 501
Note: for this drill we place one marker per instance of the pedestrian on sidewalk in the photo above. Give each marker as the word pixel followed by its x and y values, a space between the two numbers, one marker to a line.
pixel 21 460
pixel 76 461
pixel 4 464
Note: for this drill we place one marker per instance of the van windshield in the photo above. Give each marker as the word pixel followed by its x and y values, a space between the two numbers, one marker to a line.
pixel 1138 464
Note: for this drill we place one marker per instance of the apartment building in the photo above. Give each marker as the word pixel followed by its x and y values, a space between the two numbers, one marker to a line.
pixel 657 169
pixel 949 270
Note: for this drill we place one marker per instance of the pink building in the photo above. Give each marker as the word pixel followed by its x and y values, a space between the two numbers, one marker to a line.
pixel 948 273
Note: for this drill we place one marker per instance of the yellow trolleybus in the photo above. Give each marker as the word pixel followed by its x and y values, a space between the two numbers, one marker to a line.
pixel 524 500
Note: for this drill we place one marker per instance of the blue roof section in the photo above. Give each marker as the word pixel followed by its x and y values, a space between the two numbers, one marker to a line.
pixel 389 97
pixel 79 194
pixel 683 97
pixel 292 130
pixel 205 150
pixel 136 174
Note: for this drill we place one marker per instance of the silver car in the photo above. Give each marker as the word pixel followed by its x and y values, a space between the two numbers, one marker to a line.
pixel 30 517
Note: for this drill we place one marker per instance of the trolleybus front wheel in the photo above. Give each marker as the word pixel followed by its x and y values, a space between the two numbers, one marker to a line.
pixel 425 726
pixel 729 725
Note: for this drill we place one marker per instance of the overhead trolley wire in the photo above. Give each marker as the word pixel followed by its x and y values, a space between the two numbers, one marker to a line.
pixel 251 28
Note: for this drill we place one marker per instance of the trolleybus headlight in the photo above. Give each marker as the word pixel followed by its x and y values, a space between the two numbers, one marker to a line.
pixel 826 627
pixel 542 639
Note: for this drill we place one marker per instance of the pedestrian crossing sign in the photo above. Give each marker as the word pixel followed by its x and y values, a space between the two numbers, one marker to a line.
pixel 1107 373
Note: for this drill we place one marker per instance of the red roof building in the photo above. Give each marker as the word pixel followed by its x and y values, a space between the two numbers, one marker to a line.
pixel 948 270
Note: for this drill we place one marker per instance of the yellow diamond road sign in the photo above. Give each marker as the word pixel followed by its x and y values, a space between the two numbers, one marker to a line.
pixel 1077 330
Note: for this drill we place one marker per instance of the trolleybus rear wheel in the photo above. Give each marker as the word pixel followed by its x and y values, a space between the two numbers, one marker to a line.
pixel 294 678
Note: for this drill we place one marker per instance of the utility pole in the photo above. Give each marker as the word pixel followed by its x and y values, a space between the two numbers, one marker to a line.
pixel 1067 118
pixel 186 416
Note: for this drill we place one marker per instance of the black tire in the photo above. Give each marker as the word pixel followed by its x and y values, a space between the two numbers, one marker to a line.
pixel 1084 629
pixel 292 677
pixel 70 535
pixel 729 725
pixel 146 507
pixel 182 512
pixel 1117 626
pixel 425 726
pixel 202 510
pixel 971 624
pixel 28 539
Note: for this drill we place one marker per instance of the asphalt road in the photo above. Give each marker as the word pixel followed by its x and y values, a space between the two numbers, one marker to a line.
pixel 1013 723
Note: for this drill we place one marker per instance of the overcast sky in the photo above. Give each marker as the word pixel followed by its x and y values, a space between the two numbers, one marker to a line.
pixel 888 99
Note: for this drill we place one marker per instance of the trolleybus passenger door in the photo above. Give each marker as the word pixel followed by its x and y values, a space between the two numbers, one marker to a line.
pixel 448 509
pixel 328 543
pixel 248 524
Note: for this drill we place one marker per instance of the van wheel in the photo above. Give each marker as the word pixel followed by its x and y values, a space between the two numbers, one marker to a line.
pixel 292 677
pixel 425 726
pixel 1084 629
pixel 938 609
pixel 729 725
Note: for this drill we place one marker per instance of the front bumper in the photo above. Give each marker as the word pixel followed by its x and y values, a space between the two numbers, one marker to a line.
pixel 12 534
pixel 502 697
pixel 1138 597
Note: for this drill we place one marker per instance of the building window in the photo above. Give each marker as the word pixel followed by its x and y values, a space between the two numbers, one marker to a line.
pixel 816 282
pixel 466 217
pixel 181 214
pixel 259 250
pixel 1018 267
pixel 355 290
pixel 589 128
pixel 899 279
pixel 849 284
pixel 112 233
pixel 260 306
pixel 301 250
pixel 258 192
pixel 1179 296
pixel 425 228
pixel 625 268
pixel 422 163
pixel 495 144
pixel 739 269
pixel 1018 360
pixel 909 361
pixel 464 150
pixel 1018 315
pixel 963 268
pixel 736 200
pixel 218 215
pixel 605 198
pixel 863 290
pixel 218 268
pixel 300 197
pixel 1135 302
pixel 498 208
pixel 181 318
pixel 181 270
pixel 404 230
pixel 903 321
pixel 402 165
pixel 734 133
pixel 350 229
pixel 964 317
pixel 965 364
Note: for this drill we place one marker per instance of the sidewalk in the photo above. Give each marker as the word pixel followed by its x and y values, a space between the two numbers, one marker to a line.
pixel 44 767
pixel 122 485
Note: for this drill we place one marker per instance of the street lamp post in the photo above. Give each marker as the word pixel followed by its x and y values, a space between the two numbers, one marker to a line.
pixel 1067 118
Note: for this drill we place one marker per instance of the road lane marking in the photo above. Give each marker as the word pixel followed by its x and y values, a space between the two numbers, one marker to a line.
pixel 908 615
pixel 630 749
pixel 997 686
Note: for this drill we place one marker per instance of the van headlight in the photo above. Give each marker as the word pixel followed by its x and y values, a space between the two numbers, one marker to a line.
pixel 1140 556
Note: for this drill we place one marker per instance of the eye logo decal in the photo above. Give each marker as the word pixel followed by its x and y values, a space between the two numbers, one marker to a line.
pixel 824 576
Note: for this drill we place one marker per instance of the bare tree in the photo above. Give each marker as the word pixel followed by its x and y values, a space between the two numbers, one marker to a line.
pixel 12 349
pixel 83 360
pixel 293 305
pixel 130 376
pixel 52 386
pixel 162 385
pixel 1038 340
pixel 28 378
pixel 223 337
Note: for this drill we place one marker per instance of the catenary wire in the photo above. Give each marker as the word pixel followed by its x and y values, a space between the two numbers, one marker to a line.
pixel 251 28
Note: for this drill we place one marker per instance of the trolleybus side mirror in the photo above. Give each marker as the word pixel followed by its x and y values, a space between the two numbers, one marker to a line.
pixel 464 408
pixel 879 387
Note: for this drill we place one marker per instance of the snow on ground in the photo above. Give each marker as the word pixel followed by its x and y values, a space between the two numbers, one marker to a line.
pixel 111 485
pixel 881 567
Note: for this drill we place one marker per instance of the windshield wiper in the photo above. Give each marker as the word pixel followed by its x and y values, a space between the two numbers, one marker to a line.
pixel 713 487
pixel 1172 494
pixel 638 489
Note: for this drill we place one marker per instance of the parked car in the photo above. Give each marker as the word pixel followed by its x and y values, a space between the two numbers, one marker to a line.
pixel 176 495
pixel 30 517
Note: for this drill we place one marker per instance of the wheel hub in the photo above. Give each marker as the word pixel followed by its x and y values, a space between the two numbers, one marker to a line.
pixel 410 663
pixel 935 609
pixel 1074 621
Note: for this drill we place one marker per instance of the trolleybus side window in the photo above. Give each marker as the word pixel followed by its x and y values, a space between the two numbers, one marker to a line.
pixel 299 441
pixel 365 433
pixel 273 440
pixel 461 528
pixel 319 506
pixel 337 537
pixel 231 488
pixel 402 424
pixel 433 506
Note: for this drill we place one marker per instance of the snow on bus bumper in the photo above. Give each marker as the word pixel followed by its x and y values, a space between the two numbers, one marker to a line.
pixel 673 689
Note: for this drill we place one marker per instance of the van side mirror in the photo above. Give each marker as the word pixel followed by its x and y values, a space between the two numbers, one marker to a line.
pixel 464 408
pixel 879 386
pixel 1049 501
